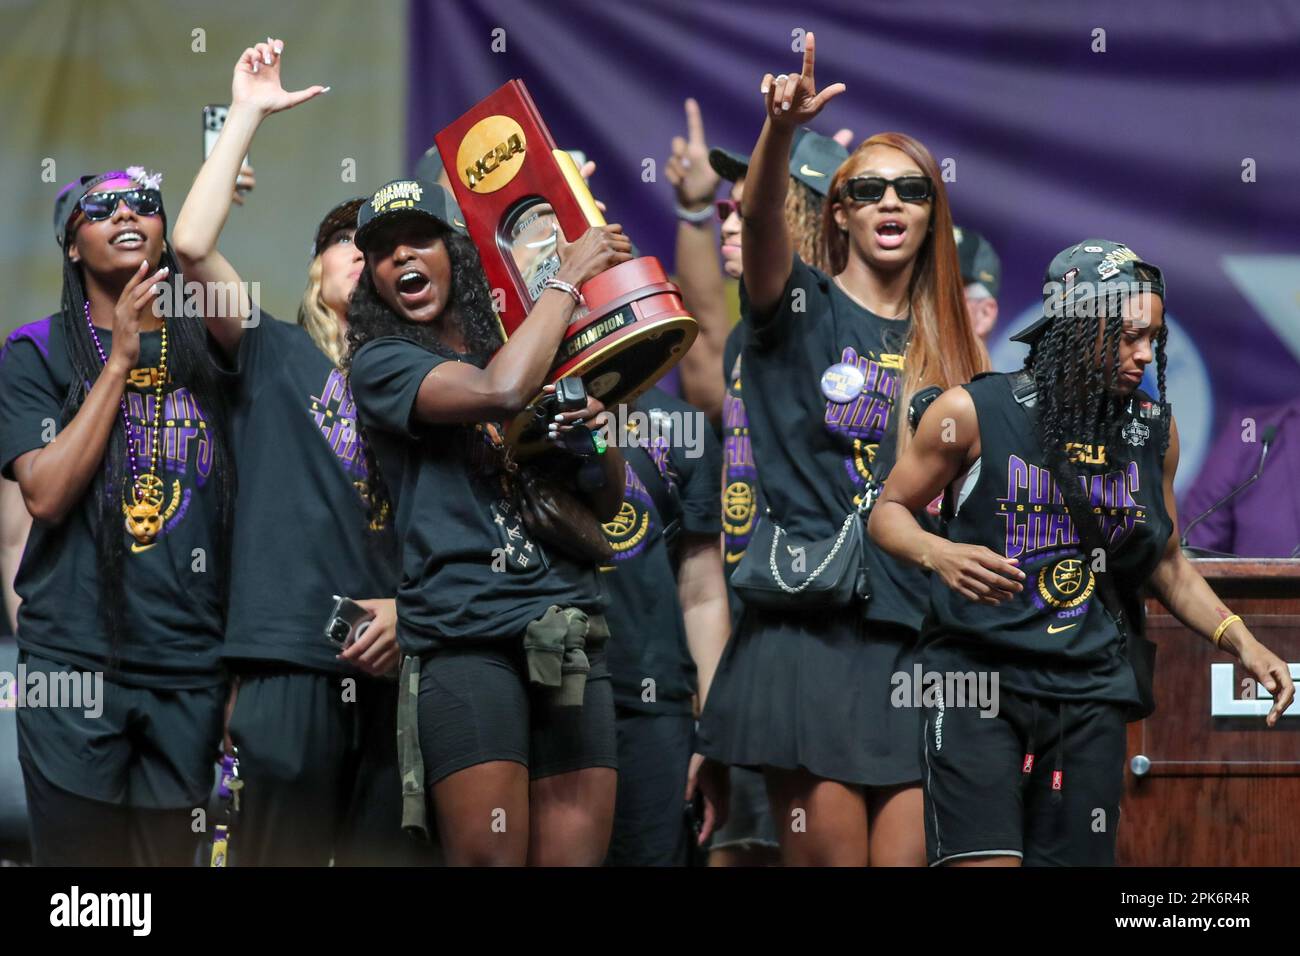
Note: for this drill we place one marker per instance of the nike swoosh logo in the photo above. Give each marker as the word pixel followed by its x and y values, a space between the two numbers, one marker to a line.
pixel 137 548
pixel 1053 629
pixel 806 170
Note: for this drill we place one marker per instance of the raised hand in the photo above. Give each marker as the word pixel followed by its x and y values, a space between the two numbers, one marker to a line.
pixel 688 169
pixel 256 82
pixel 792 99
pixel 137 295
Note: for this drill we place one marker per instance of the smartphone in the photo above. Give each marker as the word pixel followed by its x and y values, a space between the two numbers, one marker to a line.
pixel 214 118
pixel 345 622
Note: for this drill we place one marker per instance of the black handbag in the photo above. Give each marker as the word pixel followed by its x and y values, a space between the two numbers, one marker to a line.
pixel 551 511
pixel 778 572
pixel 555 516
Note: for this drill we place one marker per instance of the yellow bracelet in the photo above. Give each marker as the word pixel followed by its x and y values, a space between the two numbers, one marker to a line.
pixel 1224 625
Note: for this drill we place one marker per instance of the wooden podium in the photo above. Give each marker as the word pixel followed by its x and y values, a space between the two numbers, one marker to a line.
pixel 1206 782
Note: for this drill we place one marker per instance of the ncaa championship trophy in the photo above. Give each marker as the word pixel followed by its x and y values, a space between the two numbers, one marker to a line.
pixel 520 195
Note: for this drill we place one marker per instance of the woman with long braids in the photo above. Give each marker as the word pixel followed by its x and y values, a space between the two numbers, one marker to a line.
pixel 829 360
pixel 313 726
pixel 112 422
pixel 515 716
pixel 1059 508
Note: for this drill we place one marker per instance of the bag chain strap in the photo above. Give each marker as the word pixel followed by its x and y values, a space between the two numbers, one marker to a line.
pixel 868 498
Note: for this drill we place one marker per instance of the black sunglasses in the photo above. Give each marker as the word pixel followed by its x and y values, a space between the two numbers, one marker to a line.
pixel 99 206
pixel 872 188
pixel 726 207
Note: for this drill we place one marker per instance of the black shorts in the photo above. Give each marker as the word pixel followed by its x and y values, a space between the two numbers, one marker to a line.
pixel 985 796
pixel 137 746
pixel 476 705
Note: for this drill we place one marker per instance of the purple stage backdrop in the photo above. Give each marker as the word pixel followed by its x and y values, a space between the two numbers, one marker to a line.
pixel 1178 138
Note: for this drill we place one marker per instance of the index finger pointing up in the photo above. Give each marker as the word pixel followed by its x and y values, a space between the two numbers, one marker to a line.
pixel 809 55
pixel 694 122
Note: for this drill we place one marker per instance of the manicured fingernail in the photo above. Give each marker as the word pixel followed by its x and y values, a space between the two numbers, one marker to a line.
pixel 326 89
pixel 785 105
pixel 254 66
pixel 763 89
pixel 559 418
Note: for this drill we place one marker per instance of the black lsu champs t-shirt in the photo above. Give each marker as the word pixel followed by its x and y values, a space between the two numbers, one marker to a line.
pixel 171 588
pixel 672 460
pixel 1055 638
pixel 301 530
pixel 456 585
pixel 815 454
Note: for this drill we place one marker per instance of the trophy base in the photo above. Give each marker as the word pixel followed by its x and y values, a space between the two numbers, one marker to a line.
pixel 635 329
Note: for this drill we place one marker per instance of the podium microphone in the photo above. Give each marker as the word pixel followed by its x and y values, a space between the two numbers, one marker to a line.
pixel 1270 432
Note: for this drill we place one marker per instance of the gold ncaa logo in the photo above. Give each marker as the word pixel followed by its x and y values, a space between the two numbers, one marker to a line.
pixel 491 154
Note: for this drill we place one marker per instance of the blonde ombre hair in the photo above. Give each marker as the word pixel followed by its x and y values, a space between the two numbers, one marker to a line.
pixel 317 318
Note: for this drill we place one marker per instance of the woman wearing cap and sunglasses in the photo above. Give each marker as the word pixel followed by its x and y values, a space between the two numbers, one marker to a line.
pixel 113 425
pixel 1059 508
pixel 515 716
pixel 313 728
pixel 830 359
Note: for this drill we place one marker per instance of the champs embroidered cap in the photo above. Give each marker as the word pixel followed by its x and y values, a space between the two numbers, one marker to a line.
pixel 407 197
pixel 1092 270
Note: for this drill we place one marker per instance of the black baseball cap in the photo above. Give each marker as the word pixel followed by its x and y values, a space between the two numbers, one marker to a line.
pixel 813 160
pixel 979 262
pixel 430 166
pixel 342 216
pixel 1092 269
pixel 68 201
pixel 407 197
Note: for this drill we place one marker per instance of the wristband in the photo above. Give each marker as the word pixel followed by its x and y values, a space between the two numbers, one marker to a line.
pixel 697 217
pixel 1226 623
pixel 567 288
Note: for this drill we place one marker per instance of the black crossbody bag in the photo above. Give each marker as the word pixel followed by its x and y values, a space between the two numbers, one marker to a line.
pixel 833 571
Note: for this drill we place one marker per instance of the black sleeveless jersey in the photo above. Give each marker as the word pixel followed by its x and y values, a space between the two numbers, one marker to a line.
pixel 1055 638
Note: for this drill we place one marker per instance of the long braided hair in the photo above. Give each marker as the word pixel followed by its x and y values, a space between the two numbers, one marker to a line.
pixel 370 318
pixel 189 363
pixel 1075 401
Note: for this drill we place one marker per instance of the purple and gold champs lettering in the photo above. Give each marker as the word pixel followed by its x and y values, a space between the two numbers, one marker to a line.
pixel 860 424
pixel 739 476
pixel 1042 536
pixel 184 444
pixel 335 415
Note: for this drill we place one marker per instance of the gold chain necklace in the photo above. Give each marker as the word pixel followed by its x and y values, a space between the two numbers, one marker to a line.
pixel 143 510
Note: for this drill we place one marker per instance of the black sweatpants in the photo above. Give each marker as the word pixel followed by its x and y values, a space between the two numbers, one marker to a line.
pixel 318 757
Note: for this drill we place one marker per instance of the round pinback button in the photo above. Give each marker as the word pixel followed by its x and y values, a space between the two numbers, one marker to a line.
pixel 843 382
